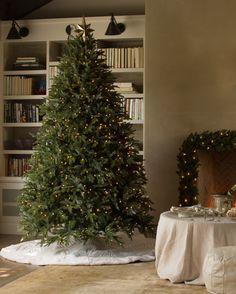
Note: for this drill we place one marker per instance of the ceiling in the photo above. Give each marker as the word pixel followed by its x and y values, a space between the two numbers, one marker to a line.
pixel 14 9
pixel 36 9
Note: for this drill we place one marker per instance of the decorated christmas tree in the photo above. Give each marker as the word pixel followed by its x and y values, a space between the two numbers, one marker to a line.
pixel 86 177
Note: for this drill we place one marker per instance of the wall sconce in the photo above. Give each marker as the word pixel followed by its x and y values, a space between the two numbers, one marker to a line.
pixel 114 28
pixel 15 33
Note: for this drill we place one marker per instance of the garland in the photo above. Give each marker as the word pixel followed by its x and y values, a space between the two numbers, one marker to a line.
pixel 188 160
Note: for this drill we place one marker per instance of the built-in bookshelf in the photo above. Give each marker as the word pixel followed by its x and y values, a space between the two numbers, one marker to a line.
pixel 24 89
pixel 28 67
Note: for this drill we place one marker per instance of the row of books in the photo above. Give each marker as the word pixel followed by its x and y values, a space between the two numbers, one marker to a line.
pixel 19 112
pixel 24 85
pixel 27 63
pixel 53 72
pixel 124 57
pixel 17 166
pixel 17 85
pixel 134 108
pixel 125 87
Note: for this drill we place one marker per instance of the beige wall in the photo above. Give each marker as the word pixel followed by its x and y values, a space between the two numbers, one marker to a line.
pixel 1 104
pixel 190 82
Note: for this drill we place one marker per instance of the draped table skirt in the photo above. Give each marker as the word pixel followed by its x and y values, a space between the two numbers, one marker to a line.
pixel 182 244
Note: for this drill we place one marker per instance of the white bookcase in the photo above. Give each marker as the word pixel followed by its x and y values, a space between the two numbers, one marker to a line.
pixel 22 90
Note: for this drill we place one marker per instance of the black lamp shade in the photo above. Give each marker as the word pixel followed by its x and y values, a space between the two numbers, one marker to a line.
pixel 114 28
pixel 13 33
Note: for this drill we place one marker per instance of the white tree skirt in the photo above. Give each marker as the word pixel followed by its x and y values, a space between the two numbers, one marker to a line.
pixel 31 252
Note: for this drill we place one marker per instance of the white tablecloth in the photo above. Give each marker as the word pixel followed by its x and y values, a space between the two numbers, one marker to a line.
pixel 182 244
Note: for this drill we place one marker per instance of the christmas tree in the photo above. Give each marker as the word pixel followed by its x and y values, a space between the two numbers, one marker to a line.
pixel 86 177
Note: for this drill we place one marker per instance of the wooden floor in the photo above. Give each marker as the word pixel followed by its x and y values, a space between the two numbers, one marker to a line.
pixel 10 271
pixel 135 278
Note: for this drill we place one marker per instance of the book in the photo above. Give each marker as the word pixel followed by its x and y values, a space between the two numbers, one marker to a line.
pixel 124 87
pixel 27 63
pixel 26 59
pixel 27 66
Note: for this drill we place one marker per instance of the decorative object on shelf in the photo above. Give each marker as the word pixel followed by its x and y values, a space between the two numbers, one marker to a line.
pixel 15 33
pixel 188 161
pixel 114 28
pixel 39 86
pixel 87 178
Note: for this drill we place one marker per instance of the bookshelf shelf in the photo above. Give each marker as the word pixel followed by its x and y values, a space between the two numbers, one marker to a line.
pixel 18 151
pixel 127 70
pixel 13 204
pixel 11 179
pixel 135 121
pixel 24 97
pixel 24 125
pixel 24 72
pixel 133 95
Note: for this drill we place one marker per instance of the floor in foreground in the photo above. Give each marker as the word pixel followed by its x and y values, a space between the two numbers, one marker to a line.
pixel 135 278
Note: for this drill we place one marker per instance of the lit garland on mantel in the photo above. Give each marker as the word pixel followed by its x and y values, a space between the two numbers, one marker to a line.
pixel 188 161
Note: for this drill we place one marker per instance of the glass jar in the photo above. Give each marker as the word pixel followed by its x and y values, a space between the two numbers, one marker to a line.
pixel 221 203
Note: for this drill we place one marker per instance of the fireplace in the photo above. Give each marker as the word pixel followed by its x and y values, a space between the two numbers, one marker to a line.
pixel 217 173
pixel 206 164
